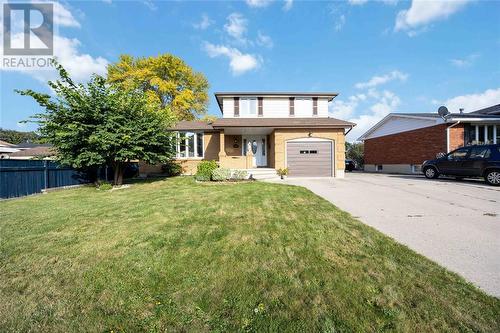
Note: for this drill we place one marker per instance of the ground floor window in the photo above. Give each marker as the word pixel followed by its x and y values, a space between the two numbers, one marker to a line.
pixel 189 145
pixel 481 134
pixel 379 167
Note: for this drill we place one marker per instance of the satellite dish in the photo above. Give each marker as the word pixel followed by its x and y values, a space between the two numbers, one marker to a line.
pixel 443 111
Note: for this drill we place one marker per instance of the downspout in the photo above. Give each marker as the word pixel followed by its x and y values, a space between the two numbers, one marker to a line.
pixel 350 129
pixel 448 135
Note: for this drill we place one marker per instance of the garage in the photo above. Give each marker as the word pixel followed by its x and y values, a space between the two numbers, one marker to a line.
pixel 309 158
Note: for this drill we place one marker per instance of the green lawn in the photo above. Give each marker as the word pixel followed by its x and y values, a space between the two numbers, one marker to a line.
pixel 174 255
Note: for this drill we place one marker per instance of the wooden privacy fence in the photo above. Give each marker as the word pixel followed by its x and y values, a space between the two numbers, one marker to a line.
pixel 24 177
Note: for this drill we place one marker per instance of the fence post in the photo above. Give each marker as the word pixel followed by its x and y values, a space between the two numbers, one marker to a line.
pixel 46 174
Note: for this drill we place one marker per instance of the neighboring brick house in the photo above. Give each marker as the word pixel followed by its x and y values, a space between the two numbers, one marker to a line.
pixel 266 130
pixel 400 142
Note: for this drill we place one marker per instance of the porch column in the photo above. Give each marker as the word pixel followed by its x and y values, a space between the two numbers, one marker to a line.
pixel 222 148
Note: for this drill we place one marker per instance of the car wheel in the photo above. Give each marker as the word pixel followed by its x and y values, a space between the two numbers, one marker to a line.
pixel 431 173
pixel 492 177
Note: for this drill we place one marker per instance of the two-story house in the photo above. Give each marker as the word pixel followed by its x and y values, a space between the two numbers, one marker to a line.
pixel 267 130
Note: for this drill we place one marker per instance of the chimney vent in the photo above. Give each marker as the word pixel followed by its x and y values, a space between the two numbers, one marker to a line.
pixel 461 110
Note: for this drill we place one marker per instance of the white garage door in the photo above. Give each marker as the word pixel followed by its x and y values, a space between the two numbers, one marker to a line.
pixel 309 159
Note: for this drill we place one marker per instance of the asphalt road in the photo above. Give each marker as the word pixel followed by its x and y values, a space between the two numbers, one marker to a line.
pixel 454 223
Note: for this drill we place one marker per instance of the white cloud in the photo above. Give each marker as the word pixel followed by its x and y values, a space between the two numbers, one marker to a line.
pixel 473 102
pixel 150 4
pixel 288 5
pixel 374 105
pixel 422 12
pixel 464 62
pixel 239 62
pixel 264 40
pixel 378 80
pixel 258 3
pixel 357 2
pixel 204 23
pixel 80 66
pixel 63 16
pixel 236 26
pixel 339 23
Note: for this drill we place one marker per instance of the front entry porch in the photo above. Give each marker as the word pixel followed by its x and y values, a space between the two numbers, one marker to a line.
pixel 245 148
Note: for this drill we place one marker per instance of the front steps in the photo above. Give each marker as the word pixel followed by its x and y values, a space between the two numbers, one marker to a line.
pixel 262 173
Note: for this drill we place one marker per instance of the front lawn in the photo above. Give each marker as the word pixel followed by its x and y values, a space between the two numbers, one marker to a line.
pixel 176 255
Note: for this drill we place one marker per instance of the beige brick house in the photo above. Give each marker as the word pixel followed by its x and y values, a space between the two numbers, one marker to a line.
pixel 260 130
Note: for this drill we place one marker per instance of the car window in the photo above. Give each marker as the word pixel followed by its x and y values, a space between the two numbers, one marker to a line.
pixel 480 152
pixel 458 154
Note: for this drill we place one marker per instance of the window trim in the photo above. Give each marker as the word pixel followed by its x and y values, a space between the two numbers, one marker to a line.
pixel 186 145
pixel 243 110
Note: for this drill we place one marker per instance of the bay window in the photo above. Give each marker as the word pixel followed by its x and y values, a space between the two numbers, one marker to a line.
pixel 189 145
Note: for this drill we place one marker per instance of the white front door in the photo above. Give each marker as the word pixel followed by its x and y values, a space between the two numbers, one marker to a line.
pixel 258 145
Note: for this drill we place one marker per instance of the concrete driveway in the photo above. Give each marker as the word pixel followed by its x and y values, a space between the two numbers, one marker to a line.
pixel 455 223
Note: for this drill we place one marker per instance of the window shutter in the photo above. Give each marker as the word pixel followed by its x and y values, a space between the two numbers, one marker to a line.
pixel 236 106
pixel 315 106
pixel 260 106
pixel 292 106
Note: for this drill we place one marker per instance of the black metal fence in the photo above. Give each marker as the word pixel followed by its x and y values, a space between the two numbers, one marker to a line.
pixel 24 177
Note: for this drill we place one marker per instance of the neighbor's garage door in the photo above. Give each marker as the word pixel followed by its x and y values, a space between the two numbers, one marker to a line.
pixel 309 159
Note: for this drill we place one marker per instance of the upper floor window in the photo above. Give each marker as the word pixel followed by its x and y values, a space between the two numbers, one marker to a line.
pixel 189 145
pixel 248 106
pixel 303 107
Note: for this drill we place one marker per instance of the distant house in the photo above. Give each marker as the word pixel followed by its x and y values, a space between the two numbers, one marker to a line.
pixel 400 142
pixel 26 151
pixel 6 149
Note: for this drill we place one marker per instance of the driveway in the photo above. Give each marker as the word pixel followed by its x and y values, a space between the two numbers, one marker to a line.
pixel 456 224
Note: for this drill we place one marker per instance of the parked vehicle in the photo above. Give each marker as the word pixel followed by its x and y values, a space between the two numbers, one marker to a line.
pixel 471 161
pixel 350 165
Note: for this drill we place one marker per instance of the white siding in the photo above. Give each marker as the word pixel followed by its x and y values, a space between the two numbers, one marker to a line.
pixel 228 107
pixel 402 124
pixel 275 107
pixel 322 107
pixel 278 107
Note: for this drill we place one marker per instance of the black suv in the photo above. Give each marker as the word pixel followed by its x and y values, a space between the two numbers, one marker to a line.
pixel 471 161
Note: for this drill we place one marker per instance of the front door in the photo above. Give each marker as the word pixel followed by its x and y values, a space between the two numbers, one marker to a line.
pixel 257 144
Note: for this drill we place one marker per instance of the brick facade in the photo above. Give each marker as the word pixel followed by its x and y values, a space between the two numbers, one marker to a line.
pixel 457 136
pixel 411 147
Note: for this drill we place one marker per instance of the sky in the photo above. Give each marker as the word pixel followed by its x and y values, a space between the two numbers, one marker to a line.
pixel 380 57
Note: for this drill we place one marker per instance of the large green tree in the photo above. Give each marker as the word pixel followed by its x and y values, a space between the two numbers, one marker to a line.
pixel 96 124
pixel 167 81
pixel 355 151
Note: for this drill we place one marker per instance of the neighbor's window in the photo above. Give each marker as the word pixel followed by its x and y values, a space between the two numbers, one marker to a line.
pixel 263 147
pixel 481 134
pixel 189 144
pixel 248 106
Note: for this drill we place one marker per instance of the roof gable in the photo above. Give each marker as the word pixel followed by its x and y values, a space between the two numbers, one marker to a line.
pixel 397 123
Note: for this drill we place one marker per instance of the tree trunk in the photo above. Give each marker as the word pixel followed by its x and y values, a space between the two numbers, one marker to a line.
pixel 118 173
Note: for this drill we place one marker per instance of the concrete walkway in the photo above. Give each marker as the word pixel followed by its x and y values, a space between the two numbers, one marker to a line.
pixel 455 223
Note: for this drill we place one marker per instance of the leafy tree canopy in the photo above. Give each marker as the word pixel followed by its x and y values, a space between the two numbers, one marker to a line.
pixel 355 152
pixel 16 137
pixel 95 124
pixel 167 81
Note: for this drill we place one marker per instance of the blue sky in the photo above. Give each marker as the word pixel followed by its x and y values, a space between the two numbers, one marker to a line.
pixel 385 56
